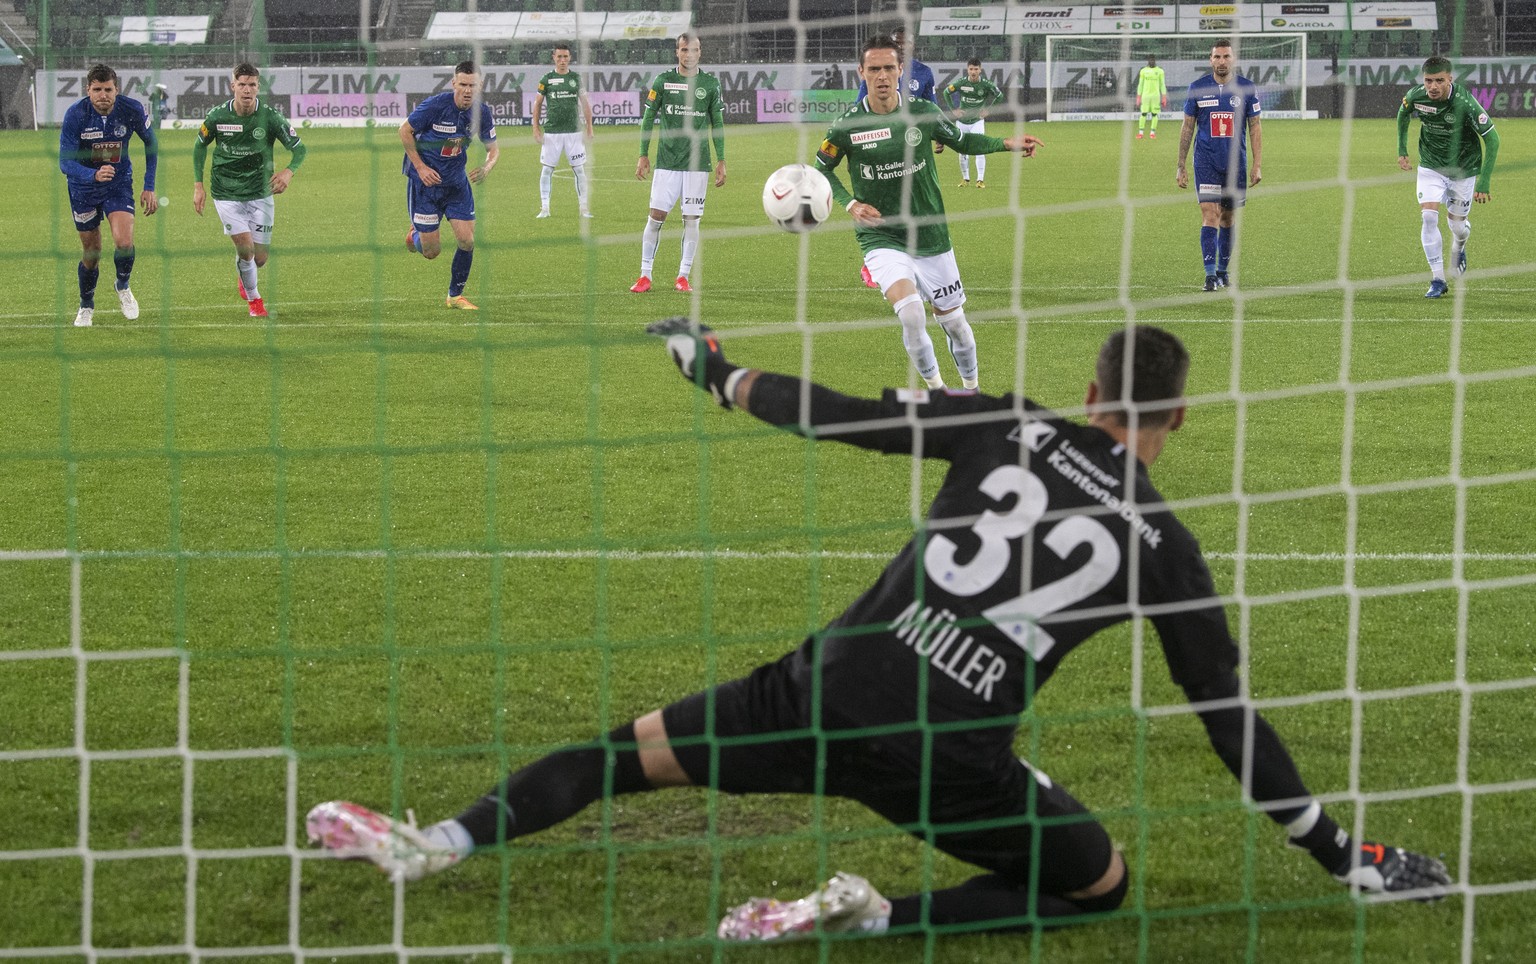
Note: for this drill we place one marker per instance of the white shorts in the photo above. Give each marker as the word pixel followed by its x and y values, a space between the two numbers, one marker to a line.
pixel 1454 192
pixel 668 188
pixel 937 277
pixel 573 146
pixel 248 217
pixel 974 127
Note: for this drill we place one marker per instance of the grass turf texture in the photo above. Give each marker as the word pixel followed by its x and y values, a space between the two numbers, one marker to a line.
pixel 413 547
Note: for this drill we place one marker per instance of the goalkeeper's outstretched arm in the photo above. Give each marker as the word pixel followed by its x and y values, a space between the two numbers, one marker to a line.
pixel 791 403
pixel 1240 735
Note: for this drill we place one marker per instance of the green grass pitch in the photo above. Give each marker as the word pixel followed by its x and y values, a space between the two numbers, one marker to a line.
pixel 371 548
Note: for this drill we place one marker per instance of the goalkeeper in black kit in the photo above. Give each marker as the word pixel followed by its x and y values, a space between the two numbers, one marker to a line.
pixel 1044 532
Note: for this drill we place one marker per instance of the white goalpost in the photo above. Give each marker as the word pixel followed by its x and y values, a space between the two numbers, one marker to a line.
pixel 1094 77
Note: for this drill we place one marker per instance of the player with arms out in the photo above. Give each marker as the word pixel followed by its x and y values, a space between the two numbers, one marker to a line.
pixel 93 156
pixel 438 182
pixel 1457 148
pixel 919 84
pixel 685 103
pixel 1044 532
pixel 1220 106
pixel 561 132
pixel 1151 95
pixel 242 132
pixel 971 99
pixel 897 209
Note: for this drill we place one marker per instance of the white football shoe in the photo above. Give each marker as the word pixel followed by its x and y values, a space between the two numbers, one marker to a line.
pixel 129 302
pixel 83 317
pixel 353 832
pixel 846 904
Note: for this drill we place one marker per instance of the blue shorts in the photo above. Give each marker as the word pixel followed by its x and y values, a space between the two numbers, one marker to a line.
pixel 454 200
pixel 1211 185
pixel 89 205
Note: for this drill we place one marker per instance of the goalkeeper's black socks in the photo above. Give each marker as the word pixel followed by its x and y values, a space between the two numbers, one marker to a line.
pixel 556 788
pixel 992 897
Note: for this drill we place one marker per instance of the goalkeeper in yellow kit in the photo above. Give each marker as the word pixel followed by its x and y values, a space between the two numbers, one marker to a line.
pixel 1151 95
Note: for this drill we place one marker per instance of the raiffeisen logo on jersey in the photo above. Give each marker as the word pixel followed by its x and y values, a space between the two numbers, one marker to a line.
pixel 870 137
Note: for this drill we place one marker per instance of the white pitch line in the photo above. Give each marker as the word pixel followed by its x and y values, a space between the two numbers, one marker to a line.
pixel 689 555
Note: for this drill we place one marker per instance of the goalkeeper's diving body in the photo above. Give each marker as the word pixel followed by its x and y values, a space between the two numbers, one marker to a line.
pixel 1044 532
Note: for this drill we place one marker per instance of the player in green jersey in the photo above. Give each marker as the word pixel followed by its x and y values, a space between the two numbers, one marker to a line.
pixel 561 95
pixel 896 207
pixel 971 98
pixel 686 104
pixel 1151 95
pixel 242 132
pixel 1457 148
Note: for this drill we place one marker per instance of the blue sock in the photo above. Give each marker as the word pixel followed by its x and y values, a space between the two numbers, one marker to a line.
pixel 123 259
pixel 1208 249
pixel 460 275
pixel 1224 248
pixel 416 240
pixel 88 278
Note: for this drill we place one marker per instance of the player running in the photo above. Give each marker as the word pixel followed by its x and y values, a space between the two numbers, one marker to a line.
pixel 919 84
pixel 897 209
pixel 686 104
pixel 971 99
pixel 1219 108
pixel 1457 148
pixel 1151 95
pixel 1044 532
pixel 93 156
pixel 561 94
pixel 242 131
pixel 437 182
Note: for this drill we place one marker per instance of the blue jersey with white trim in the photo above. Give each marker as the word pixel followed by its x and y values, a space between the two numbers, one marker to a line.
pixel 1221 113
pixel 89 140
pixel 443 131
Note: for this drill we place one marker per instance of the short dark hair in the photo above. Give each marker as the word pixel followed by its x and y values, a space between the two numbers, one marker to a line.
pixel 686 38
pixel 465 67
pixel 561 46
pixel 100 74
pixel 246 70
pixel 973 62
pixel 1221 42
pixel 1158 372
pixel 881 42
pixel 1437 65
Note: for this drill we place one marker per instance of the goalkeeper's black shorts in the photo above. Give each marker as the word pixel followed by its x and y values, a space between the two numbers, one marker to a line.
pixel 755 735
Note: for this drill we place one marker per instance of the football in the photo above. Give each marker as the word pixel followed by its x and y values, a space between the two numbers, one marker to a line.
pixel 797 197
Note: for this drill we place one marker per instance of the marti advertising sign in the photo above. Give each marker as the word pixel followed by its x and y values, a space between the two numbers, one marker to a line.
pixel 1058 20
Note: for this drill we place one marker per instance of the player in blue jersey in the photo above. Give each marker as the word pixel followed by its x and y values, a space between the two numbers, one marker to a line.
pixel 918 83
pixel 93 154
pixel 437 183
pixel 1219 107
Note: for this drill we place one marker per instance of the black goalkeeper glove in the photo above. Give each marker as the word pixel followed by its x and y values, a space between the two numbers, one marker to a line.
pixel 1385 870
pixel 688 346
